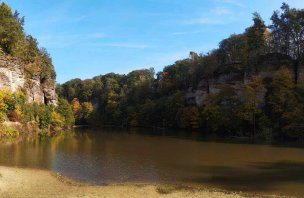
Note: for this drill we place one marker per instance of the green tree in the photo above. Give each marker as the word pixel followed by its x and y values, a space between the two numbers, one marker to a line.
pixel 256 41
pixel 86 111
pixel 65 110
pixel 252 103
pixel 11 31
pixel 288 34
pixel 284 105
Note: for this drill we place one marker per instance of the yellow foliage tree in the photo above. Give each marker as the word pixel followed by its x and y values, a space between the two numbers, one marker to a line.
pixel 6 98
pixel 86 109
pixel 76 107
pixel 57 119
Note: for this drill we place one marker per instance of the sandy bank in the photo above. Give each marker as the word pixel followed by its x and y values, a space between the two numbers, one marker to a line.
pixel 15 182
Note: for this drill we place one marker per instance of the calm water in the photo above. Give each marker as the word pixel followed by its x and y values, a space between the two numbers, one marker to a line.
pixel 107 156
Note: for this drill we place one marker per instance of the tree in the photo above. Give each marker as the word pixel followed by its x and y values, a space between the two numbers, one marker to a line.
pixel 206 67
pixel 65 110
pixel 281 90
pixel 11 31
pixel 282 102
pixel 47 69
pixel 288 34
pixel 86 111
pixel 189 117
pixel 211 117
pixel 253 100
pixel 256 41
pixel 219 113
pixel 233 50
pixel 76 108
pixel 230 105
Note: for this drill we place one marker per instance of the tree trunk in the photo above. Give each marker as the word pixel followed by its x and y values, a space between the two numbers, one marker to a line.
pixel 254 126
pixel 296 71
pixel 208 86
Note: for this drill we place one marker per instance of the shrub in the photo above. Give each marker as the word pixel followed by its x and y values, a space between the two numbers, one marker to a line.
pixel 57 119
pixel 9 132
pixel 7 102
pixel 165 189
pixel 13 116
pixel 2 117
pixel 45 117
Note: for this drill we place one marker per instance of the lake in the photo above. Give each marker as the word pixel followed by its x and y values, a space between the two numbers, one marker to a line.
pixel 105 156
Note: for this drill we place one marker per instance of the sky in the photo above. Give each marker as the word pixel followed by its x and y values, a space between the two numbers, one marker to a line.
pixel 87 38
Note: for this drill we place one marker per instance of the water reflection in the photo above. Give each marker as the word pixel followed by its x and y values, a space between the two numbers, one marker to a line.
pixel 105 156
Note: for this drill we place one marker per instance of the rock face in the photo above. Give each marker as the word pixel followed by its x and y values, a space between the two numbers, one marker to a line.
pixel 49 92
pixel 11 74
pixel 12 77
pixel 214 86
pixel 267 68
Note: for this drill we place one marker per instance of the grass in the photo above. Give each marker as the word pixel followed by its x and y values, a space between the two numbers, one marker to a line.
pixel 166 189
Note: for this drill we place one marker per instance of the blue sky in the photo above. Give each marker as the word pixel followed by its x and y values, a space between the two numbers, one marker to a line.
pixel 87 38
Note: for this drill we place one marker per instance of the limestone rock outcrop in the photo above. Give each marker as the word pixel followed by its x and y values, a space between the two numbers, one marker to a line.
pixel 267 67
pixel 12 77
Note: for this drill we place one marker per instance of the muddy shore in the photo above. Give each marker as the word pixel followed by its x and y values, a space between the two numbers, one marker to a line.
pixel 24 183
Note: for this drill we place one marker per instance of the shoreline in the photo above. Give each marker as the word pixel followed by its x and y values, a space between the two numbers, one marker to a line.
pixel 23 182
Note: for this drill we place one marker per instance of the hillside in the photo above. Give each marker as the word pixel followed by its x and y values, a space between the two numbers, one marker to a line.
pixel 23 64
pixel 251 86
pixel 28 102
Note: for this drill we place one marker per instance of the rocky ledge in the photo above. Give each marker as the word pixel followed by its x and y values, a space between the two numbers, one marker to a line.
pixel 12 77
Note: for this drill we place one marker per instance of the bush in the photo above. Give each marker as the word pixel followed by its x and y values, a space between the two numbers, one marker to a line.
pixel 7 102
pixel 57 119
pixel 2 117
pixel 13 116
pixel 45 118
pixel 9 132
pixel 165 189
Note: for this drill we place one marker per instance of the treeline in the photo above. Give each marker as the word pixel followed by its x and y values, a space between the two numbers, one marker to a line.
pixel 266 107
pixel 15 44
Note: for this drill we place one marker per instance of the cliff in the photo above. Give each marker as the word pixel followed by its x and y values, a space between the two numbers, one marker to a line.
pixel 267 66
pixel 12 77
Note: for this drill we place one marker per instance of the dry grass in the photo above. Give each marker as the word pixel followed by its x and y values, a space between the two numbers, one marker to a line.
pixel 28 183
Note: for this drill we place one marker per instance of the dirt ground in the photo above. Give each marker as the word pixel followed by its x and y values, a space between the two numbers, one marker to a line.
pixel 16 183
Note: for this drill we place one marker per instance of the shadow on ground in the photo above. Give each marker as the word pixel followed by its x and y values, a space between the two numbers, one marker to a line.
pixel 256 177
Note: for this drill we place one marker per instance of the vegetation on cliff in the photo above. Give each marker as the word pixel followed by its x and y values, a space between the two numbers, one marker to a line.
pixel 250 86
pixel 31 117
pixel 16 43
pixel 15 107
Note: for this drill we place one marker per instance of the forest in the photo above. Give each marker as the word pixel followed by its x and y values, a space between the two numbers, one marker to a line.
pixel 261 96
